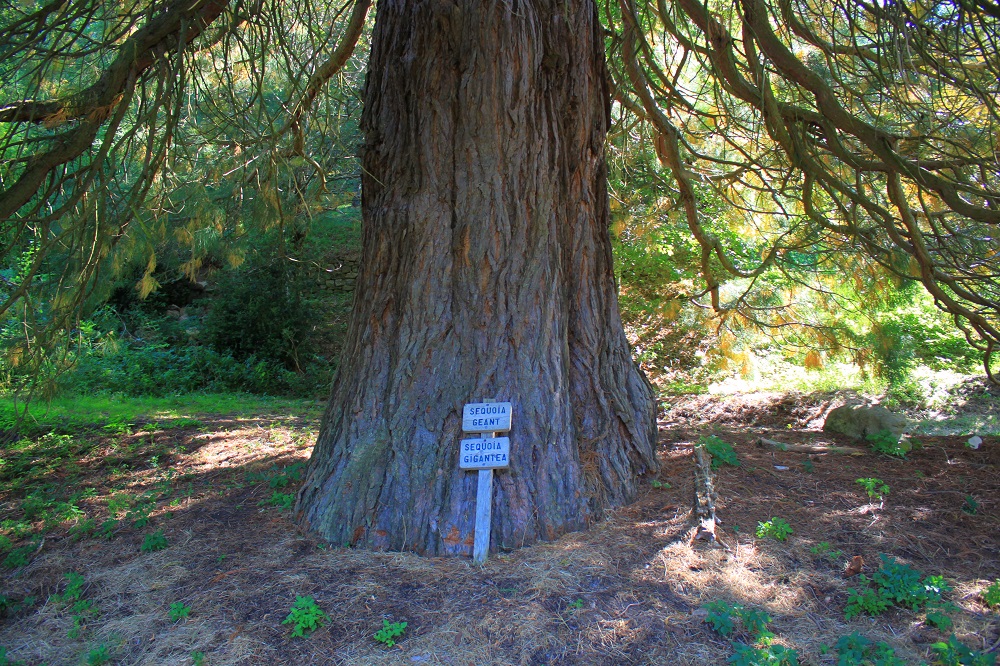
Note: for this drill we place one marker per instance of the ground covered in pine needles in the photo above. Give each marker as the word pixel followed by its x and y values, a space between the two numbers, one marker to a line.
pixel 172 543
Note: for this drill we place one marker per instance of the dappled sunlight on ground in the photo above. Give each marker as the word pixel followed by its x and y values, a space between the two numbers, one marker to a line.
pixel 628 591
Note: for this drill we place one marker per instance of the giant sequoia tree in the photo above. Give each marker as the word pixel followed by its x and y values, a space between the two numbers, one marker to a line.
pixel 844 135
pixel 487 272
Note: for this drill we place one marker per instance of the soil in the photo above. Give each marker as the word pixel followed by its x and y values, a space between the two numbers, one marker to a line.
pixel 628 591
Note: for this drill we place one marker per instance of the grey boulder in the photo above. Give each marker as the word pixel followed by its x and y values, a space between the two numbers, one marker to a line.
pixel 860 421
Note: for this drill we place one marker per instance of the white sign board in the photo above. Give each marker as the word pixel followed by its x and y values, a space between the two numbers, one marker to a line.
pixel 486 417
pixel 487 453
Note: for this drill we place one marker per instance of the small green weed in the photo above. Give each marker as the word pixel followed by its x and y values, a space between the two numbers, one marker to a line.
pixel 722 452
pixel 939 619
pixel 277 477
pixel 305 617
pixel 98 656
pixel 954 652
pixel 894 584
pixel 970 505
pixel 876 488
pixel 885 442
pixel 74 589
pixel 776 529
pixel 856 650
pixel 19 557
pixel 767 654
pixel 7 661
pixel 284 501
pixel 389 632
pixel 824 549
pixel 660 485
pixel 991 595
pixel 178 611
pixel 154 542
pixel 575 605
pixel 197 658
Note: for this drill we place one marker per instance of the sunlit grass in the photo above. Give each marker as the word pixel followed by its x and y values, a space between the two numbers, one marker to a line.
pixel 100 410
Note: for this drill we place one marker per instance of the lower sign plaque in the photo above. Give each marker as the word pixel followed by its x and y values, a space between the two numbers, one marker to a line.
pixel 485 453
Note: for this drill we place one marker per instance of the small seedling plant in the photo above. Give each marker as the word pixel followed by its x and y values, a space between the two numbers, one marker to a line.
pixel 154 542
pixel 306 617
pixel 954 652
pixel 825 550
pixel 877 489
pixel 179 611
pixel 761 650
pixel 857 650
pixel 776 529
pixel 722 452
pixel 991 595
pixel 389 632
pixel 887 443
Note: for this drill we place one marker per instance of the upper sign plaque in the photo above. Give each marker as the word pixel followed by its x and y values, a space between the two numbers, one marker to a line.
pixel 486 417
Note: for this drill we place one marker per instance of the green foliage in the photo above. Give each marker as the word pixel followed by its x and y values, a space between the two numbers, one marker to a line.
pixel 970 505
pixel 575 605
pixel 722 452
pixel 939 619
pixel 305 617
pixel 868 601
pixel 73 591
pixel 825 550
pixel 197 658
pixel 179 611
pixel 723 615
pixel 660 485
pixel 763 655
pixel 720 616
pixel 775 528
pixel 258 311
pixel 278 477
pixel 153 542
pixel 389 632
pixel 991 595
pixel 98 656
pixel 857 650
pixel 7 661
pixel 897 584
pixel 954 652
pixel 149 369
pixel 284 501
pixel 876 488
pixel 886 442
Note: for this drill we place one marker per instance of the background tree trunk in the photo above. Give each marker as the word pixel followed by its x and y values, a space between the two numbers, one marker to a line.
pixel 486 273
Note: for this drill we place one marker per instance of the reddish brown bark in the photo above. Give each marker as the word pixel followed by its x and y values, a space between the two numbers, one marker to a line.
pixel 487 273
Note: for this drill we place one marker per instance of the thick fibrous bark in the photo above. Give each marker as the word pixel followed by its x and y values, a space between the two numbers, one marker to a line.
pixel 487 273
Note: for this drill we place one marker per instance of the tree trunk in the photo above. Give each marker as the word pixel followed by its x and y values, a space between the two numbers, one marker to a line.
pixel 486 273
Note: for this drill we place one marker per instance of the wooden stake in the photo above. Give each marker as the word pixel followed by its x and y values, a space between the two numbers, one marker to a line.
pixel 484 509
pixel 484 515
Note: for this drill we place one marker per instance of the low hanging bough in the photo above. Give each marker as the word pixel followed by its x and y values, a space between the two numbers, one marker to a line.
pixel 852 130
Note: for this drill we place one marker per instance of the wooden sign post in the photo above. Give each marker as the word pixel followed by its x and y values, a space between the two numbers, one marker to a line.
pixel 486 453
